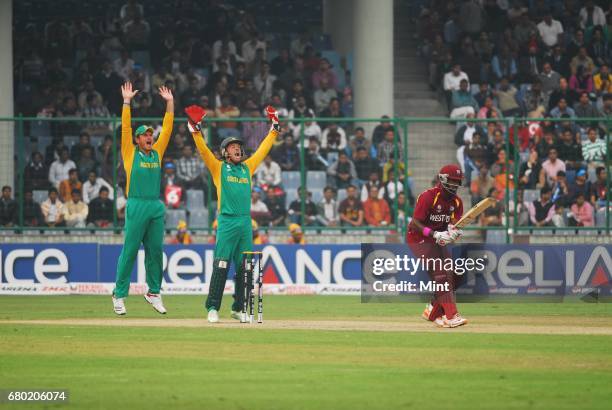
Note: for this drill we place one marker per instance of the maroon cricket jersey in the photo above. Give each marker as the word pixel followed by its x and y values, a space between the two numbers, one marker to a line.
pixel 435 208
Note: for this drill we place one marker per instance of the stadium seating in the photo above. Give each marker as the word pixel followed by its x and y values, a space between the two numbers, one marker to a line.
pixel 40 196
pixel 173 216
pixel 198 218
pixel 316 180
pixel 195 199
pixel 496 236
pixel 530 195
pixel 291 179
pixel 317 195
pixel 291 195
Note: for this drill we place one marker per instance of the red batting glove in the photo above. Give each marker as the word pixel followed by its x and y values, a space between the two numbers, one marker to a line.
pixel 195 116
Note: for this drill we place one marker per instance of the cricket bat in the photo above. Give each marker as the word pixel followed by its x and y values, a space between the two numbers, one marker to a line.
pixel 473 213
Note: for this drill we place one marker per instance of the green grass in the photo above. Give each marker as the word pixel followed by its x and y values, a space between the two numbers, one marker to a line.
pixel 251 368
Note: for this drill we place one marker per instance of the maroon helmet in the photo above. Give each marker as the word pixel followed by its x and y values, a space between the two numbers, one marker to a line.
pixel 451 178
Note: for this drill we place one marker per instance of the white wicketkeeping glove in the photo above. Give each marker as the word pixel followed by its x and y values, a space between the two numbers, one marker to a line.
pixel 442 238
pixel 454 233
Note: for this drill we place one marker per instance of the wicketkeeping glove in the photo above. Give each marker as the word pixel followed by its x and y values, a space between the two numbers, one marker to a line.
pixel 195 116
pixel 273 116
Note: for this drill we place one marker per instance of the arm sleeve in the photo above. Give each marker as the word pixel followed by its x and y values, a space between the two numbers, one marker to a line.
pixel 164 137
pixel 367 214
pixel 127 145
pixel 212 163
pixel 86 193
pixel 264 148
pixel 423 204
pixel 277 174
pixel 551 213
pixel 531 210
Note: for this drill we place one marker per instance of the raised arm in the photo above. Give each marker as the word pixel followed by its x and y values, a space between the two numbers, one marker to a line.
pixel 266 145
pixel 164 137
pixel 211 162
pixel 127 143
pixel 195 116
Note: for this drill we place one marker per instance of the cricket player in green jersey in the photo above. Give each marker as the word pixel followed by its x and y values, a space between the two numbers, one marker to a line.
pixel 233 177
pixel 144 215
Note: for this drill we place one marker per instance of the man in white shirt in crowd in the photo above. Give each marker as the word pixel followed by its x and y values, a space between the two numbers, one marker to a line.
pixel 249 48
pixel 53 209
pixel 75 210
pixel 91 187
pixel 591 15
pixel 550 30
pixel 268 173
pixel 60 167
pixel 452 81
pixel 328 208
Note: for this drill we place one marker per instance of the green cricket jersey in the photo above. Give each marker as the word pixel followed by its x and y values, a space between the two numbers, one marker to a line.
pixel 233 182
pixel 143 171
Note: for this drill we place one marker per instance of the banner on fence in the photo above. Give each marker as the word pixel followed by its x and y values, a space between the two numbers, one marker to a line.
pixel 90 269
pixel 316 269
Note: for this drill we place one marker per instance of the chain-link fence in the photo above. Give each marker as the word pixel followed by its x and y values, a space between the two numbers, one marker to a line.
pixel 330 175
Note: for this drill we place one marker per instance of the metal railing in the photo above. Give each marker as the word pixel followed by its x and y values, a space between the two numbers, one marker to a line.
pixel 29 129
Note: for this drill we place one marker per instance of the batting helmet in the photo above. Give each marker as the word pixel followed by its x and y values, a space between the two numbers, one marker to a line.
pixel 450 177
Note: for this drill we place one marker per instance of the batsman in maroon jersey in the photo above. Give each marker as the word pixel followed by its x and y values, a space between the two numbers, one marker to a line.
pixel 429 231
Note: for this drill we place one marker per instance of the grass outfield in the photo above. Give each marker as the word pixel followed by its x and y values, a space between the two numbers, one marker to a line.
pixel 196 365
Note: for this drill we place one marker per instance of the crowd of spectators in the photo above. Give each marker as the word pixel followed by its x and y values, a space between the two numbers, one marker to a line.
pixel 208 53
pixel 547 62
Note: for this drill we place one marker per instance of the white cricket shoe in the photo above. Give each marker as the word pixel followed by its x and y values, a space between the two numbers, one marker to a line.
pixel 441 322
pixel 456 321
pixel 427 312
pixel 119 306
pixel 213 316
pixel 156 302
pixel 236 315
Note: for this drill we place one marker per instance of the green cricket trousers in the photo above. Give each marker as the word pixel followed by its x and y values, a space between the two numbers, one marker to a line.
pixel 234 236
pixel 144 223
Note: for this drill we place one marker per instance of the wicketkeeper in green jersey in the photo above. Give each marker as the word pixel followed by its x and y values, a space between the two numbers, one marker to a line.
pixel 144 214
pixel 232 177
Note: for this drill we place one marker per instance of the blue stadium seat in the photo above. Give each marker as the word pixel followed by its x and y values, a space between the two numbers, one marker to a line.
pixel 40 196
pixel 70 140
pixel 341 195
pixel 600 218
pixel 43 142
pixel 40 128
pixel 530 195
pixel 291 195
pixel 496 236
pixel 591 172
pixel 142 57
pixel 198 218
pixel 291 179
pixel 96 141
pixel 173 216
pixel 317 195
pixel 316 180
pixel 195 199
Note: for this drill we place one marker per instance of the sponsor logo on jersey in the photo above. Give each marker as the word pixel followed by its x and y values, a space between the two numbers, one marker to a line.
pixel 237 180
pixel 149 164
pixel 439 218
